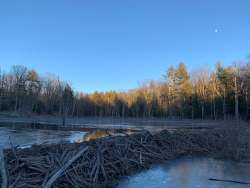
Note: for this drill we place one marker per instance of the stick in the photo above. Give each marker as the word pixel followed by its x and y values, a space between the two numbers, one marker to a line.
pixel 231 181
pixel 60 172
pixel 3 170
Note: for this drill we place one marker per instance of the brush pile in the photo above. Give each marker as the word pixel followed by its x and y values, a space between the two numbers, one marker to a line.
pixel 100 163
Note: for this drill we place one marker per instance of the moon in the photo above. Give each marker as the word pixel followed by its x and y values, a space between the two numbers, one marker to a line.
pixel 216 30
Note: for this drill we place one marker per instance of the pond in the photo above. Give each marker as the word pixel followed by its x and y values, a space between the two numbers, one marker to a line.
pixel 190 173
pixel 25 137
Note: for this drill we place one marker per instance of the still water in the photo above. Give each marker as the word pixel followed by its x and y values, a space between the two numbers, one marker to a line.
pixel 24 137
pixel 190 173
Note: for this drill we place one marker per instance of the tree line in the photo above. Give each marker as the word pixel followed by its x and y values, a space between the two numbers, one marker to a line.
pixel 219 94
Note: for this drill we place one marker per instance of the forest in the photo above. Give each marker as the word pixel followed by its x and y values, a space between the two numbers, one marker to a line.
pixel 222 93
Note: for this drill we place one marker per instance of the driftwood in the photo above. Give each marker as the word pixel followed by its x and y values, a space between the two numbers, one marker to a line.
pixel 63 168
pixel 4 178
pixel 100 163
pixel 229 181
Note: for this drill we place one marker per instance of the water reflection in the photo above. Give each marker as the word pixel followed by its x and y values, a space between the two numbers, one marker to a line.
pixel 25 137
pixel 190 173
pixel 92 135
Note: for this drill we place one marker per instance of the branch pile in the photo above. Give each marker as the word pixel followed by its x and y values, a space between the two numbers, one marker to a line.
pixel 100 163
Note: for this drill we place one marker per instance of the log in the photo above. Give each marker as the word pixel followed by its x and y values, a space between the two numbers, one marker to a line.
pixel 108 159
pixel 60 172
pixel 3 170
pixel 229 181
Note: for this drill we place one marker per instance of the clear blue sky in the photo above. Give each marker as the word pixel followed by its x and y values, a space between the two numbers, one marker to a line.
pixel 103 45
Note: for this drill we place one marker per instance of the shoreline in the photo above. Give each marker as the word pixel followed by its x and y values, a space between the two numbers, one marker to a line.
pixel 114 122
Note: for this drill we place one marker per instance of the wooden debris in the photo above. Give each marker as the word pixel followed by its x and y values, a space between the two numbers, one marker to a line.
pixel 229 181
pixel 63 168
pixel 100 163
pixel 4 179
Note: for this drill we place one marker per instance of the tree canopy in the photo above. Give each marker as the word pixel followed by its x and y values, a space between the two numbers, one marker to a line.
pixel 221 93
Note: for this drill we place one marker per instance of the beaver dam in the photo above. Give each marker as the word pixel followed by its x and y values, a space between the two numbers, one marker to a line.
pixel 102 162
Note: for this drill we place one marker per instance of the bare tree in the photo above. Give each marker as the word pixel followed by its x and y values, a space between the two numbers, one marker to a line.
pixel 200 81
pixel 67 99
pixel 20 77
pixel 236 75
pixel 214 90
pixel 224 90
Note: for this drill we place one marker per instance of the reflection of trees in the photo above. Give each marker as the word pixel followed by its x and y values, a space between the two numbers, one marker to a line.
pixel 181 174
pixel 92 135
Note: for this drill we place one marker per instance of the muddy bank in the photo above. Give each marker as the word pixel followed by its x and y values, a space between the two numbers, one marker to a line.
pixel 100 163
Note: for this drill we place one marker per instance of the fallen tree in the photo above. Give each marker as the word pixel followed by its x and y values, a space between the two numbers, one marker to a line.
pixel 100 163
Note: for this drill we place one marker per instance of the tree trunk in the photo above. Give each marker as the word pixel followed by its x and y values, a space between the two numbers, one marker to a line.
pixel 214 106
pixel 192 112
pixel 211 109
pixel 247 103
pixel 63 118
pixel 202 111
pixel 224 104
pixel 192 102
pixel 16 104
pixel 236 99
pixel 1 99
pixel 64 115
